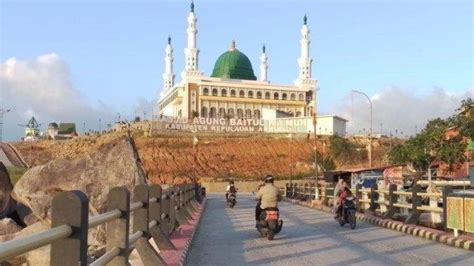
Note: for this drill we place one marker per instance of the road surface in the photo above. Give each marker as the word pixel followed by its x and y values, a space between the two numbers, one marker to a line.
pixel 309 237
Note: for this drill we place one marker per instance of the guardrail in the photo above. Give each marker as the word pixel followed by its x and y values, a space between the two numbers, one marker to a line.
pixel 155 214
pixel 381 202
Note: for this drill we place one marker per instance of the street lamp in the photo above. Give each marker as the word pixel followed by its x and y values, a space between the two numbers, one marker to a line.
pixel 370 134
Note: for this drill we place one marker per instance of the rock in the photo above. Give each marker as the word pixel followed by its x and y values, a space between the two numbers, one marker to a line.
pixel 8 226
pixel 38 256
pixel 113 164
pixel 7 204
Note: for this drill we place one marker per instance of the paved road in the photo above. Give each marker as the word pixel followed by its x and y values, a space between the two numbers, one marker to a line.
pixel 309 237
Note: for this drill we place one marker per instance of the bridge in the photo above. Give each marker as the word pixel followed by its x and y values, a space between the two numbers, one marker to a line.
pixel 170 227
pixel 309 237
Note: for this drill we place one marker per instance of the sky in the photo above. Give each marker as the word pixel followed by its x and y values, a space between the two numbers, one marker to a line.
pixel 87 60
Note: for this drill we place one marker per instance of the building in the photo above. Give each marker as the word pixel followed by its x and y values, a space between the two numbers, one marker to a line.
pixel 63 131
pixel 465 170
pixel 278 122
pixel 53 130
pixel 233 90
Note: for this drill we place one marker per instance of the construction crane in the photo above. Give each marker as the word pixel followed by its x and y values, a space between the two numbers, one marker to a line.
pixel 2 112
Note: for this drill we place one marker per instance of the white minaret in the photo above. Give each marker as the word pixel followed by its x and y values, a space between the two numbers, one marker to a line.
pixel 168 76
pixel 305 60
pixel 191 52
pixel 263 65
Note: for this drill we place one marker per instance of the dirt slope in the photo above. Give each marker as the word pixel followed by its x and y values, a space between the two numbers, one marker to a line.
pixel 173 159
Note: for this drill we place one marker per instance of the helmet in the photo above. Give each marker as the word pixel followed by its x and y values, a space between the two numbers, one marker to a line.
pixel 231 182
pixel 269 179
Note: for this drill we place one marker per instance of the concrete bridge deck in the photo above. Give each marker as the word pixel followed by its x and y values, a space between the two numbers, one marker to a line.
pixel 309 237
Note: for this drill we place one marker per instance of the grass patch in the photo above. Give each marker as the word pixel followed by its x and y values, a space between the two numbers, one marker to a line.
pixel 16 173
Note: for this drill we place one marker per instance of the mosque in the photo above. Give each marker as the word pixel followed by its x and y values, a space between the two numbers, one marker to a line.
pixel 233 91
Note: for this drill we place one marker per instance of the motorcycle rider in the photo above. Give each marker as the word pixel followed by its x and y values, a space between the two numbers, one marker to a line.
pixel 230 189
pixel 267 197
pixel 342 194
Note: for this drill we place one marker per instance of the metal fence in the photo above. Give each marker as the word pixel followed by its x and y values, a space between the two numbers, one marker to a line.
pixel 155 213
pixel 381 202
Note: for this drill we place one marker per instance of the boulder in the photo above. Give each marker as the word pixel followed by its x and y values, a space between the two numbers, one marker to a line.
pixel 8 226
pixel 113 164
pixel 7 204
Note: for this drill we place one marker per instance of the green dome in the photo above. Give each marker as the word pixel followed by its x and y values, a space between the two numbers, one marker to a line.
pixel 233 65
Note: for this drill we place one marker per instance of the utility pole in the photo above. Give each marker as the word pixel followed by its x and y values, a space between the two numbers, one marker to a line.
pixel 100 125
pixel 2 112
pixel 315 144
pixel 290 157
pixel 370 134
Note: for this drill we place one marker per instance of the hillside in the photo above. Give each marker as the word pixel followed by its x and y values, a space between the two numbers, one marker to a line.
pixel 173 159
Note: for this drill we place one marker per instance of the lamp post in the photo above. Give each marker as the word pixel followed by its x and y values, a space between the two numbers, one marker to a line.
pixel 370 134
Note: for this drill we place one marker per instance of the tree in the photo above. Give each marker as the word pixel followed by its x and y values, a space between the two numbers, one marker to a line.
pixel 432 145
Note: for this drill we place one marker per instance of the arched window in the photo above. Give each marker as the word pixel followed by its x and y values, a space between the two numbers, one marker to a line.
pixel 230 113
pixel 256 114
pixel 248 113
pixel 298 114
pixel 241 93
pixel 283 96
pixel 204 111
pixel 293 97
pixel 240 113
pixel 259 95
pixel 301 97
pixel 221 112
pixel 212 112
pixel 276 96
pixel 224 93
pixel 215 92
pixel 267 95
pixel 205 91
pixel 232 93
pixel 250 94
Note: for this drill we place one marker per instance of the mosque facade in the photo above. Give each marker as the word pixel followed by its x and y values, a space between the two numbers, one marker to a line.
pixel 233 90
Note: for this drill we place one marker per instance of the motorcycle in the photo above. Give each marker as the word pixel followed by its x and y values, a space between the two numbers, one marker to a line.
pixel 348 213
pixel 231 200
pixel 269 223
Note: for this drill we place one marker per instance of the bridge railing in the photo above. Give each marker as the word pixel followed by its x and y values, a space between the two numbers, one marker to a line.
pixel 381 202
pixel 155 214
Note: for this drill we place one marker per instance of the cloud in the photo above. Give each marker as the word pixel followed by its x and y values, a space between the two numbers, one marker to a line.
pixel 42 87
pixel 400 109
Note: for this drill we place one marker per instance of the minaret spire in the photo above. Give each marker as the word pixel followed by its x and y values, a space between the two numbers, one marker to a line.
pixel 263 65
pixel 191 51
pixel 305 60
pixel 168 76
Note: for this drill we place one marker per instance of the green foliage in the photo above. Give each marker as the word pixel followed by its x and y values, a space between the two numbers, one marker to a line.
pixel 465 121
pixel 326 162
pixel 432 145
pixel 346 151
